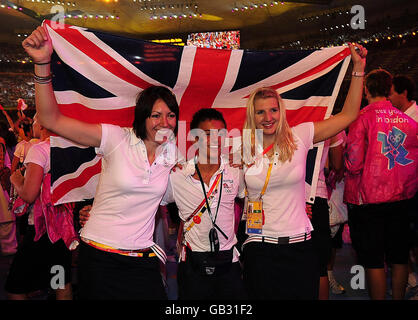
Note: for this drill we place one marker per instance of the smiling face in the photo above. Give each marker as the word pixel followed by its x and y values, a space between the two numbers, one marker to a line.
pixel 267 114
pixel 214 138
pixel 161 120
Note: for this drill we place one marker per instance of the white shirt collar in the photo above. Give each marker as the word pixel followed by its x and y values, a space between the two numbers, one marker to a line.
pixel 167 157
pixel 190 170
pixel 134 139
pixel 413 104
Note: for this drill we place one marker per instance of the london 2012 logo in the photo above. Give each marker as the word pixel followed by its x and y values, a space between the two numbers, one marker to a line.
pixel 392 147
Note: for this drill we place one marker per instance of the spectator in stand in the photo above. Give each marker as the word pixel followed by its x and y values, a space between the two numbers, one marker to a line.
pixel 13 87
pixel 381 162
pixel 402 95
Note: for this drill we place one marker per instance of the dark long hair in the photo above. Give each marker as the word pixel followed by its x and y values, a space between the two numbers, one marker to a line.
pixel 144 104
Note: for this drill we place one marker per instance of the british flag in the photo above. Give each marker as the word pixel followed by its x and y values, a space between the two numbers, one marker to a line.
pixel 97 77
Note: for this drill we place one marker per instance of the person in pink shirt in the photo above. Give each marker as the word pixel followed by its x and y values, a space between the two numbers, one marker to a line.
pixel 381 162
pixel 43 245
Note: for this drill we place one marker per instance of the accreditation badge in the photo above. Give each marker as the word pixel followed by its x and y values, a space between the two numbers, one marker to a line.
pixel 255 217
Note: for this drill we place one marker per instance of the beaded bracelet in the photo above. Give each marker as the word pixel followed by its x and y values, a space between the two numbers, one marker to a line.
pixel 42 80
pixel 358 74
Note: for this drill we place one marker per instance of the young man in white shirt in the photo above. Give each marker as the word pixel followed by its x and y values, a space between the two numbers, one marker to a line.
pixel 402 95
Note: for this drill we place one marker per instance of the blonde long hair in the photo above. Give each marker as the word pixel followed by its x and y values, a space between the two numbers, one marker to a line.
pixel 285 144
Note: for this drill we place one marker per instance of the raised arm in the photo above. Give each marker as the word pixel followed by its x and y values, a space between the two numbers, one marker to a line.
pixel 327 128
pixel 39 47
pixel 9 120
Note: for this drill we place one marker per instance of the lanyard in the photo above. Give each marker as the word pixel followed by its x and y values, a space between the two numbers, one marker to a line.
pixel 207 202
pixel 268 173
pixel 202 208
pixel 199 208
pixel 267 180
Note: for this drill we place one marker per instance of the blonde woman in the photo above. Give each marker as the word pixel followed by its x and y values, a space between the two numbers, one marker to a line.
pixel 278 256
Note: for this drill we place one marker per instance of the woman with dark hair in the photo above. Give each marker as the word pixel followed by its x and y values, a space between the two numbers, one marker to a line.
pixel 118 258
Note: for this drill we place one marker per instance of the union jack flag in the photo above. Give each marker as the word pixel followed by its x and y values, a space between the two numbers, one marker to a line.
pixel 97 77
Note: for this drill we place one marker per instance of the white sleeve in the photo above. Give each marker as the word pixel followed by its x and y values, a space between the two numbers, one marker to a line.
pixel 340 138
pixel 305 132
pixel 20 150
pixel 111 136
pixel 39 156
pixel 168 196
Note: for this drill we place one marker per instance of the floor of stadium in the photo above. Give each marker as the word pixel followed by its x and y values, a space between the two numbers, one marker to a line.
pixel 342 271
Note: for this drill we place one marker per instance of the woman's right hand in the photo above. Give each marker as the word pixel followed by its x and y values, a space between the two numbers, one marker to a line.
pixel 38 45
pixel 84 215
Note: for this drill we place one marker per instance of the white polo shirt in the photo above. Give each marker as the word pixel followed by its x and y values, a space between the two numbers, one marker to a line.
pixel 284 200
pixel 129 190
pixel 39 154
pixel 187 192
pixel 412 111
